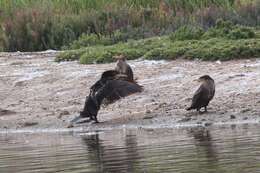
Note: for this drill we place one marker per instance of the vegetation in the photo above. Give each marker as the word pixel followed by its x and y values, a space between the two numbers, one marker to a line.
pixel 28 25
pixel 224 41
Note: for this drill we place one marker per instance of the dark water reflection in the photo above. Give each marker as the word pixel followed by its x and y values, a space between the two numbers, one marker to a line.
pixel 211 150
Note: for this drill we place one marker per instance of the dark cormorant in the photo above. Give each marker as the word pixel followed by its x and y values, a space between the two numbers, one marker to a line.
pixel 204 94
pixel 110 87
pixel 123 68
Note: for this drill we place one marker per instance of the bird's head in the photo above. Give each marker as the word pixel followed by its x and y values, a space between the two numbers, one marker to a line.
pixel 204 78
pixel 120 57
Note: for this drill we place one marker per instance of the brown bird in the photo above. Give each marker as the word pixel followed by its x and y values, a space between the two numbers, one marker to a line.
pixel 123 68
pixel 204 94
pixel 110 87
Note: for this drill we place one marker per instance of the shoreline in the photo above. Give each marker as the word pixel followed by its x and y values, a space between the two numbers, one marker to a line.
pixel 128 127
pixel 42 94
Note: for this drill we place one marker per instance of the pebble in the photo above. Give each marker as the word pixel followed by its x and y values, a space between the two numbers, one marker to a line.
pixel 245 118
pixel 207 124
pixel 63 113
pixel 148 111
pixel 28 123
pixel 232 117
pixel 70 126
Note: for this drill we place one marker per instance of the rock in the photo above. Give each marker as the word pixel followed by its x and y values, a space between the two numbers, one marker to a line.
pixel 162 105
pixel 44 108
pixel 19 83
pixel 218 62
pixel 28 124
pixel 245 110
pixel 16 63
pixel 148 117
pixel 185 119
pixel 148 111
pixel 232 117
pixel 70 125
pixel 6 112
pixel 207 124
pixel 222 112
pixel 62 113
pixel 245 118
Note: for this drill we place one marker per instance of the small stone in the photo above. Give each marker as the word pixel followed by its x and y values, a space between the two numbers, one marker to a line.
pixel 245 110
pixel 207 124
pixel 6 112
pixel 19 83
pixel 148 111
pixel 62 113
pixel 148 117
pixel 70 125
pixel 222 112
pixel 27 124
pixel 185 119
pixel 245 118
pixel 232 117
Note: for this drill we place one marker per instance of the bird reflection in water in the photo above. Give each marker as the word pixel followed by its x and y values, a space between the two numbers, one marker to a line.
pixel 204 143
pixel 108 157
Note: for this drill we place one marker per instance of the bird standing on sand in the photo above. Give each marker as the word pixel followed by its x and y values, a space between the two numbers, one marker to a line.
pixel 204 94
pixel 123 68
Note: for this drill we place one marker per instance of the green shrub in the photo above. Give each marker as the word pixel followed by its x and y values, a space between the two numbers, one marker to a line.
pixel 86 40
pixel 51 24
pixel 187 32
pixel 227 29
pixel 70 55
pixel 162 48
pixel 223 49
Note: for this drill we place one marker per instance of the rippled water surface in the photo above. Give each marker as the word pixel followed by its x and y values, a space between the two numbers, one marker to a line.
pixel 224 149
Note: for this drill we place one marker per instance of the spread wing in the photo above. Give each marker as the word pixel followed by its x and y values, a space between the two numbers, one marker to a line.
pixel 116 89
pixel 109 74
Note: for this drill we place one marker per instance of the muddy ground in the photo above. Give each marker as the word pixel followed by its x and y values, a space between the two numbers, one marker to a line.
pixel 38 93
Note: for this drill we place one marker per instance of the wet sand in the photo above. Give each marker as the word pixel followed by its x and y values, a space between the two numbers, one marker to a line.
pixel 38 93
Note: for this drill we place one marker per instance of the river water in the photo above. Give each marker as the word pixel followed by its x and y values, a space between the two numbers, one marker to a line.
pixel 207 150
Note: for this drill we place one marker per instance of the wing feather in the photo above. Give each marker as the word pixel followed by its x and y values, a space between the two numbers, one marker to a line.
pixel 116 89
pixel 198 96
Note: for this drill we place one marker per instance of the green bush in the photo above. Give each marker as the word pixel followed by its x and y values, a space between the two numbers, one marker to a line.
pixel 163 48
pixel 86 40
pixel 70 55
pixel 187 32
pixel 223 49
pixel 51 24
pixel 227 29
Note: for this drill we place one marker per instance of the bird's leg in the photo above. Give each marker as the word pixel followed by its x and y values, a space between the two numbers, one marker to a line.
pixel 205 109
pixel 92 117
pixel 95 118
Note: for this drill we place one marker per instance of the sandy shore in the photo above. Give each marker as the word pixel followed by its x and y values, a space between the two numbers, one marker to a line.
pixel 38 93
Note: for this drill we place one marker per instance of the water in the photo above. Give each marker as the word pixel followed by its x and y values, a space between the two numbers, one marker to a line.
pixel 225 149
